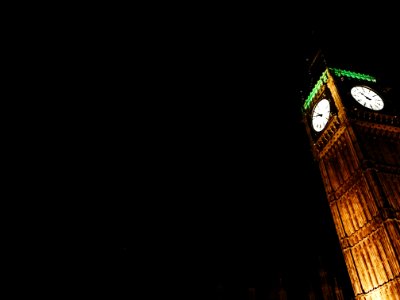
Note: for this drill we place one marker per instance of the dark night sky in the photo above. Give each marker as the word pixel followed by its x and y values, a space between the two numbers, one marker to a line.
pixel 201 168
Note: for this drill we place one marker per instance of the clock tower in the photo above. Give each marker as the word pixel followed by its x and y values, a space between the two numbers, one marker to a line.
pixel 353 124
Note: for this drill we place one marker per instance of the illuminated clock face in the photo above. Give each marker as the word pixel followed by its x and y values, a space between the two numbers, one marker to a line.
pixel 367 97
pixel 320 115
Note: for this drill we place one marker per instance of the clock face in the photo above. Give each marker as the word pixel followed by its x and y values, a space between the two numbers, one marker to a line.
pixel 367 97
pixel 320 115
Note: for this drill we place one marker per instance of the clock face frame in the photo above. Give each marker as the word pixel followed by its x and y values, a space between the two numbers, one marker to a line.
pixel 320 114
pixel 367 97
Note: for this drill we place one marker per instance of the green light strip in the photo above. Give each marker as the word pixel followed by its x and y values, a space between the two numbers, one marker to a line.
pixel 354 75
pixel 339 73
pixel 320 82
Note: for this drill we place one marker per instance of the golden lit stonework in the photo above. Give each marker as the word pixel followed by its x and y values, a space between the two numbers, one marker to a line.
pixel 358 153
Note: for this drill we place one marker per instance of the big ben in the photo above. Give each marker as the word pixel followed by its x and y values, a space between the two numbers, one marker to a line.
pixel 353 124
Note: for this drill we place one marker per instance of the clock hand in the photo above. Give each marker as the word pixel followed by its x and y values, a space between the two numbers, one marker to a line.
pixel 366 96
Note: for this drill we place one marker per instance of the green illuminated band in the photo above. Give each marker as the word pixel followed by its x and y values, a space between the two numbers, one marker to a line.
pixel 354 75
pixel 320 82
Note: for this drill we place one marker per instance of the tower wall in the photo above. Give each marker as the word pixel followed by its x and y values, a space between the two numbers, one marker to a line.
pixel 359 160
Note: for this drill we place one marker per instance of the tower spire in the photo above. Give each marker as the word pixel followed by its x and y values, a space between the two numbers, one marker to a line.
pixel 316 61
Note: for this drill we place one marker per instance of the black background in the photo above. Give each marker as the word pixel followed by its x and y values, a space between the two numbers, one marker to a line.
pixel 187 163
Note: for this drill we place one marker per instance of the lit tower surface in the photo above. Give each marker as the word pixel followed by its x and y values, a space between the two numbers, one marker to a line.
pixel 353 124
